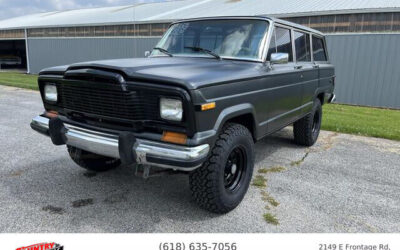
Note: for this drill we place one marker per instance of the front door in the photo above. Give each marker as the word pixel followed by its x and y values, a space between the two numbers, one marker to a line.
pixel 284 93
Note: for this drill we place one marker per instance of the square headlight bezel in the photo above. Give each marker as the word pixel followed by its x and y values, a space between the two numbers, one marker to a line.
pixel 165 117
pixel 53 99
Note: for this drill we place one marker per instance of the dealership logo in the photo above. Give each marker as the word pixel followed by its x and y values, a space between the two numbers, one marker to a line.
pixel 43 246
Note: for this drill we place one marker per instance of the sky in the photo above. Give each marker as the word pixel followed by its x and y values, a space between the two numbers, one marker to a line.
pixel 14 8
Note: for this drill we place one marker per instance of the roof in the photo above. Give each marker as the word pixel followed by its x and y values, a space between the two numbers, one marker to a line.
pixel 167 11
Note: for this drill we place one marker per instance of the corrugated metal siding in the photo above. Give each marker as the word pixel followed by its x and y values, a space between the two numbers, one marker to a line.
pixel 367 65
pixel 367 68
pixel 44 53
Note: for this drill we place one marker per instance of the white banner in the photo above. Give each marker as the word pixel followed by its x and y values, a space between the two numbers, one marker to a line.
pixel 200 241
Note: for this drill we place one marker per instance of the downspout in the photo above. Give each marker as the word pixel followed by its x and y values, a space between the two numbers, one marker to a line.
pixel 27 52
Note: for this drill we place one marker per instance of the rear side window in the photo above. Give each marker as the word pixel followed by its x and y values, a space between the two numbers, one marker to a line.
pixel 319 52
pixel 302 45
pixel 281 43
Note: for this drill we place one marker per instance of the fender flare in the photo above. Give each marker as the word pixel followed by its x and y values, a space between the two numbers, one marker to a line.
pixel 321 90
pixel 235 111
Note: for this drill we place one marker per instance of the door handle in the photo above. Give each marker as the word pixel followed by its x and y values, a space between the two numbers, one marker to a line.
pixel 298 67
pixel 315 66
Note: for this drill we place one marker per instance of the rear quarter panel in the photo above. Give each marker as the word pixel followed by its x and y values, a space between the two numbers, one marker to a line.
pixel 326 77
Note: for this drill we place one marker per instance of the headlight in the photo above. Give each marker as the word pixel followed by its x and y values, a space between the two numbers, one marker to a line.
pixel 171 109
pixel 50 93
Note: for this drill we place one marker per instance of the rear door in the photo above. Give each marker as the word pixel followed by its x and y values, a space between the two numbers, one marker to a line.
pixel 308 77
pixel 320 58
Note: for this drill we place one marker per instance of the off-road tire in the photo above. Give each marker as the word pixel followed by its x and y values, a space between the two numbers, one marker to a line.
pixel 91 161
pixel 207 183
pixel 306 130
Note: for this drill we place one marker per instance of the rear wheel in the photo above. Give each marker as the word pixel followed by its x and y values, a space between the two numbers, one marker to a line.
pixel 221 183
pixel 91 161
pixel 306 130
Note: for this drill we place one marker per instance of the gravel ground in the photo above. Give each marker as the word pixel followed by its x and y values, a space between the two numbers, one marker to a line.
pixel 344 183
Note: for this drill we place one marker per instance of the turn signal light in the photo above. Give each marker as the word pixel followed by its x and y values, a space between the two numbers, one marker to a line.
pixel 51 114
pixel 208 106
pixel 174 137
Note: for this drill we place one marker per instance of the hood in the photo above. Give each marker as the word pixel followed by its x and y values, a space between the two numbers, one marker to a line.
pixel 191 73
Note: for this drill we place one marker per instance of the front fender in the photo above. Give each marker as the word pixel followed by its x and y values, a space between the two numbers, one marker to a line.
pixel 225 115
pixel 235 111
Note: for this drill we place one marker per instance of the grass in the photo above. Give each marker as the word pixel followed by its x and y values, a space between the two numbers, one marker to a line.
pixel 366 121
pixel 259 181
pixel 275 169
pixel 268 198
pixel 19 80
pixel 271 219
pixel 299 162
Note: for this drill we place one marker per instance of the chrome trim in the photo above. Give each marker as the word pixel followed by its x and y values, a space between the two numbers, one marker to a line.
pixel 267 39
pixel 264 42
pixel 263 18
pixel 92 141
pixel 332 99
pixel 107 145
pixel 279 58
pixel 169 151
pixel 41 121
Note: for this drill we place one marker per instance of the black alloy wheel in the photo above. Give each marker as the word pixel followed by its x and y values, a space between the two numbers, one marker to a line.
pixel 234 169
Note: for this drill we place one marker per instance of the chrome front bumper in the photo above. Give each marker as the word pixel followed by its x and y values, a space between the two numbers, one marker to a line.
pixel 145 152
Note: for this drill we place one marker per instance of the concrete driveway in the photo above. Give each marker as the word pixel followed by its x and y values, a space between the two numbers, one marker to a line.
pixel 344 183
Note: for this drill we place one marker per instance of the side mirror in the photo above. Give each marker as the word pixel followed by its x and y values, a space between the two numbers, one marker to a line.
pixel 279 58
pixel 147 53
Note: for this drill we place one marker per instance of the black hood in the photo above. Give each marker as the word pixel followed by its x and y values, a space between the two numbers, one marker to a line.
pixel 190 73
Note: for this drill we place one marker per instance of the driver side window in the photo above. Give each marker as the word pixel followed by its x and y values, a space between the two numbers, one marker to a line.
pixel 281 42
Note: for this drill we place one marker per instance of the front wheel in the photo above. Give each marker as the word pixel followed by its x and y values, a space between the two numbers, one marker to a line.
pixel 221 183
pixel 306 130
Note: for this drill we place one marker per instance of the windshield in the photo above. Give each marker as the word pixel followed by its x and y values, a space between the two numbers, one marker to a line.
pixel 242 39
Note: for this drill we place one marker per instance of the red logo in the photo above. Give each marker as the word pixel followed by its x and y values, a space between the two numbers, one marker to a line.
pixel 43 246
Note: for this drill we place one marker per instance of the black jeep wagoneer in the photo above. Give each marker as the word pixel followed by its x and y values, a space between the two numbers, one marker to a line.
pixel 210 89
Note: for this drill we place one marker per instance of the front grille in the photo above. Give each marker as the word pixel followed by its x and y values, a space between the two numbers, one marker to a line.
pixel 108 100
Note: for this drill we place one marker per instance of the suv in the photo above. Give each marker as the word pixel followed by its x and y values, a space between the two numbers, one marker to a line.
pixel 210 89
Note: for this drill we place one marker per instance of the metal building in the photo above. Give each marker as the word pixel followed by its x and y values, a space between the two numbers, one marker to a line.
pixel 363 37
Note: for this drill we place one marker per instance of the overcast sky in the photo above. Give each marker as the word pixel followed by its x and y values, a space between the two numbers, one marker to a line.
pixel 14 8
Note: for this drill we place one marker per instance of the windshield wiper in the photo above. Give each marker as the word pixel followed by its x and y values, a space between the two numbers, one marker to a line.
pixel 205 51
pixel 163 51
